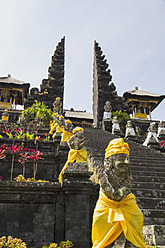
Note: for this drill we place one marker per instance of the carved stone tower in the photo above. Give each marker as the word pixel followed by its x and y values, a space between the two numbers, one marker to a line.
pixel 103 87
pixel 53 86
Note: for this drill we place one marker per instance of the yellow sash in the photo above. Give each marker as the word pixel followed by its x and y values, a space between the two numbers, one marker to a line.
pixel 5 118
pixel 59 129
pixel 65 136
pixel 78 155
pixel 53 127
pixel 111 218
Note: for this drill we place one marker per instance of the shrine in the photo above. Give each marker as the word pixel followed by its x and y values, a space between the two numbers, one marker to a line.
pixel 142 103
pixel 12 92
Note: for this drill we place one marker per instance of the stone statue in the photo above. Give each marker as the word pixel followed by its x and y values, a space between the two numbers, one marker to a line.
pixel 5 116
pixel 107 111
pixel 129 130
pixel 161 130
pixel 67 132
pixel 77 141
pixel 115 127
pixel 77 152
pixel 59 119
pixel 152 135
pixel 57 105
pixel 117 219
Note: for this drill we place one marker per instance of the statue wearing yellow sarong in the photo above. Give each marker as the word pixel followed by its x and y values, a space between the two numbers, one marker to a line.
pixel 67 131
pixel 77 152
pixel 116 212
pixel 59 125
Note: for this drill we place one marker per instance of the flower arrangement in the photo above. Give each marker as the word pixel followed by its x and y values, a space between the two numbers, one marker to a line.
pixel 63 244
pixel 10 242
pixel 162 143
pixel 21 178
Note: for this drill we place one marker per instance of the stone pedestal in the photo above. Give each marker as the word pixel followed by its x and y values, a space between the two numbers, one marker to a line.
pixel 154 145
pixel 154 235
pixel 80 199
pixel 107 125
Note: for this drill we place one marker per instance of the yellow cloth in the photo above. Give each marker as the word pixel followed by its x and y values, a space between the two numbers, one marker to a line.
pixel 59 129
pixel 78 129
pixel 5 118
pixel 141 115
pixel 116 146
pixel 65 136
pixel 111 218
pixel 78 155
pixel 53 127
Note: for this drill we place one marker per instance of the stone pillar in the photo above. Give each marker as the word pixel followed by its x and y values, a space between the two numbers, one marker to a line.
pixel 80 198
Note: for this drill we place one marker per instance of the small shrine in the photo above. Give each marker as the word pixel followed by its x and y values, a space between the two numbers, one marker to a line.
pixel 142 103
pixel 12 92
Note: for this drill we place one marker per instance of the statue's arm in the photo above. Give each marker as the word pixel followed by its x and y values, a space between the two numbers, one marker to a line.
pixel 105 185
pixel 71 142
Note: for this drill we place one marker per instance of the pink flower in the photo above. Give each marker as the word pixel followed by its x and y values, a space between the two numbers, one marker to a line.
pixel 36 155
pixel 19 129
pixel 28 150
pixel 0 178
pixel 14 148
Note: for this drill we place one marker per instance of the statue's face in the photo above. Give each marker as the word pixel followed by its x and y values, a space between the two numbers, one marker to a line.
pixel 68 124
pixel 79 134
pixel 121 163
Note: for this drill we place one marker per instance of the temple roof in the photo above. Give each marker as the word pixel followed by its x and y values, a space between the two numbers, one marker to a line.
pixel 11 80
pixel 78 114
pixel 136 94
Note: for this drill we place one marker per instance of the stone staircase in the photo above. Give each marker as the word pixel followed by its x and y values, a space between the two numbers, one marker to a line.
pixel 148 175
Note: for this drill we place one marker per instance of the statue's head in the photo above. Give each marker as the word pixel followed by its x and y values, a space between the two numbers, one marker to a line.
pixel 78 131
pixel 117 156
pixel 68 123
pixel 58 98
pixel 61 118
pixel 129 124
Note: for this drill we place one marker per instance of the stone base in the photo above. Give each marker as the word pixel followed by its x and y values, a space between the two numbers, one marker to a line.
pixel 154 235
pixel 132 138
pixel 107 125
pixel 77 172
pixel 154 145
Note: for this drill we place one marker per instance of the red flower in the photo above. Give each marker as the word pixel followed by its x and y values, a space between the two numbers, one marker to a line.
pixel 14 148
pixel 23 159
pixel 19 129
pixel 3 147
pixel 0 178
pixel 28 150
pixel 36 155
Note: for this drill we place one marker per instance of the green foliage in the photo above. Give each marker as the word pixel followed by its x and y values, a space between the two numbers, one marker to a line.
pixel 38 112
pixel 122 117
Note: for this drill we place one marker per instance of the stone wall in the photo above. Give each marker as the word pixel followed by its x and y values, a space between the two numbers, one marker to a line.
pixel 42 213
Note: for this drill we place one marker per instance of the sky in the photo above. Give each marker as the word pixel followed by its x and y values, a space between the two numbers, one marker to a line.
pixel 131 34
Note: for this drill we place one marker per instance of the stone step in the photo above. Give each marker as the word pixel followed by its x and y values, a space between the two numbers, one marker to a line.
pixel 141 167
pixel 154 221
pixel 154 214
pixel 149 202
pixel 146 173
pixel 152 178
pixel 153 193
pixel 148 185
pixel 148 160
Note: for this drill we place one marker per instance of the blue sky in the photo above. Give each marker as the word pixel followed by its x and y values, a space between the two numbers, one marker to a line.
pixel 131 34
